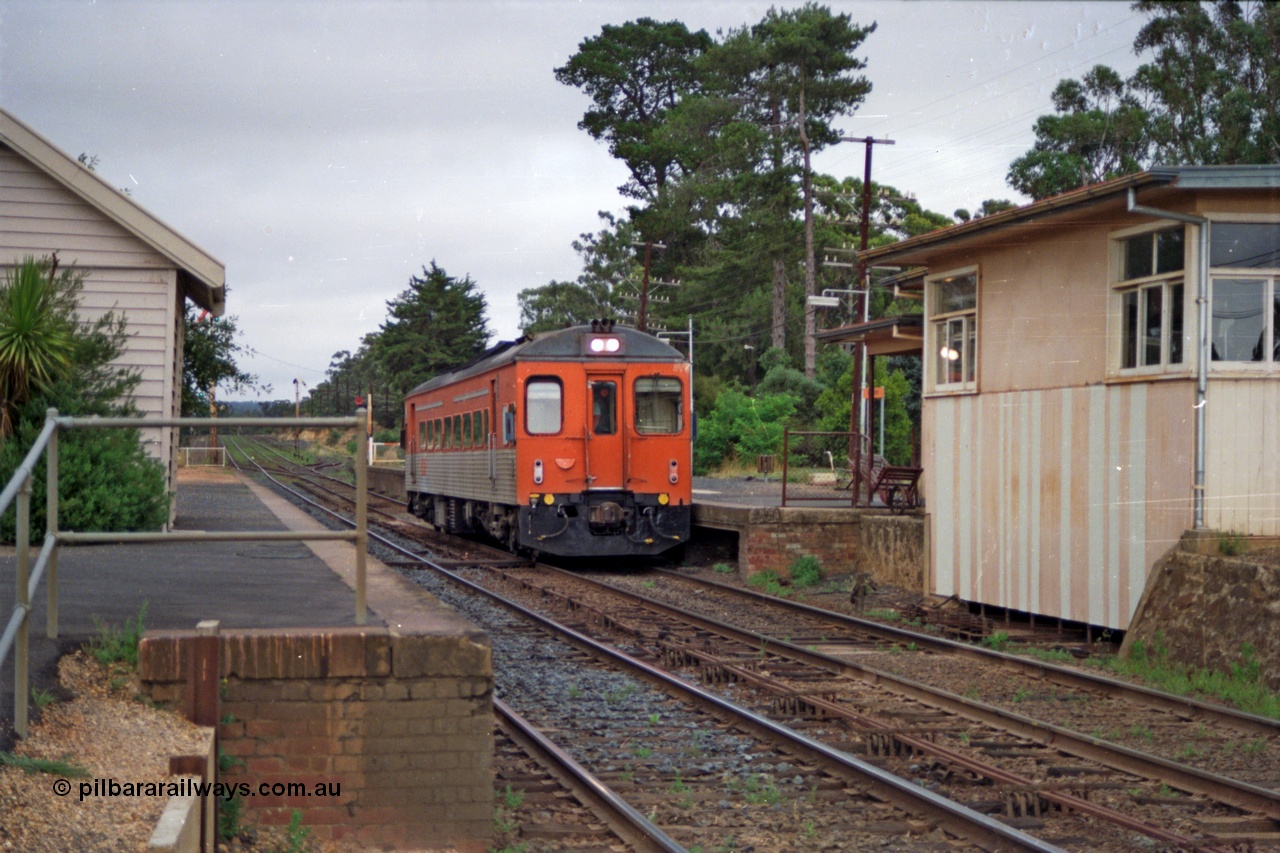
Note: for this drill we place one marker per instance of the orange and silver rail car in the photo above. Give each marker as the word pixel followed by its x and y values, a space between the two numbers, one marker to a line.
pixel 576 442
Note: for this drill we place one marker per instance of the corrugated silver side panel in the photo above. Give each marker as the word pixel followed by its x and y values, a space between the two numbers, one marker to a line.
pixel 464 474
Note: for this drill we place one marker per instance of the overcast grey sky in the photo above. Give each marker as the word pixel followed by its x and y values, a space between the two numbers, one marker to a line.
pixel 326 152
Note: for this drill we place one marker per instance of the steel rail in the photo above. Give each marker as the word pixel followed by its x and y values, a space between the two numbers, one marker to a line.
pixel 624 819
pixel 978 828
pixel 1189 708
pixel 924 746
pixel 912 798
pixel 1220 788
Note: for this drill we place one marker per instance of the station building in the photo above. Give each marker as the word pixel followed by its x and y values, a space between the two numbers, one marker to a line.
pixel 133 263
pixel 1101 374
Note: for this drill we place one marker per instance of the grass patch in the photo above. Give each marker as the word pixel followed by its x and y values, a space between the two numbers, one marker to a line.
pixel 723 569
pixel 119 645
pixel 1242 687
pixel 43 765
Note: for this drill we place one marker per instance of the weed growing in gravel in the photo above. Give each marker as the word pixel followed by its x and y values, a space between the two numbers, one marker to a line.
pixel 42 765
pixel 760 790
pixel 42 698
pixel 1022 694
pixel 119 645
pixel 641 751
pixel 1140 731
pixel 653 719
pixel 810 831
pixel 1190 751
pixel 769 582
pixel 1166 791
pixel 1254 747
pixel 883 615
pixel 503 819
pixel 1231 544
pixel 230 809
pixel 678 786
pixel 722 568
pixel 575 692
pixel 998 641
pixel 649 584
pixel 295 836
pixel 621 694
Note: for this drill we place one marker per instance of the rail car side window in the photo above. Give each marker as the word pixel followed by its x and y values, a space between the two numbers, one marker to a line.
pixel 542 406
pixel 509 424
pixel 466 430
pixel 422 435
pixel 437 440
pixel 659 408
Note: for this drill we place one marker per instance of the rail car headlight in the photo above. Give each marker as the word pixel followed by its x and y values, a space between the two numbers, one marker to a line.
pixel 673 471
pixel 537 471
pixel 548 499
pixel 664 499
pixel 600 346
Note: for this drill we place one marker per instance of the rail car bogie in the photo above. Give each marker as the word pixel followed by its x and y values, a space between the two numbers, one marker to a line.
pixel 575 443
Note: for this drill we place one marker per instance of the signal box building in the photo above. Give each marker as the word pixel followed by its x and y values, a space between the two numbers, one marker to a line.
pixel 133 263
pixel 1101 374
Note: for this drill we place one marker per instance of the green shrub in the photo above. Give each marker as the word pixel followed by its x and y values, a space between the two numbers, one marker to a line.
pixel 805 571
pixel 741 426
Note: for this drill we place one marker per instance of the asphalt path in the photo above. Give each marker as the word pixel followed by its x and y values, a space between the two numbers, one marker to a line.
pixel 241 584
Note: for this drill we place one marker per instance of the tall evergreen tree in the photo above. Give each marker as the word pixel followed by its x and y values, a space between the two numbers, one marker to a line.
pixel 436 323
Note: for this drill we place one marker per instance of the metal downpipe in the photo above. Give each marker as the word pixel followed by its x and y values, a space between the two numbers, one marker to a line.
pixel 1202 361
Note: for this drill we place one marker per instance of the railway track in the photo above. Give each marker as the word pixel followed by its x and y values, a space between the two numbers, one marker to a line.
pixel 705 769
pixel 1043 778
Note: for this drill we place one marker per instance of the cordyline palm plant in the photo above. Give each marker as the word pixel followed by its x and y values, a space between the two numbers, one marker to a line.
pixel 37 334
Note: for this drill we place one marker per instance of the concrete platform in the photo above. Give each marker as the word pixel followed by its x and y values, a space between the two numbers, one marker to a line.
pixel 241 584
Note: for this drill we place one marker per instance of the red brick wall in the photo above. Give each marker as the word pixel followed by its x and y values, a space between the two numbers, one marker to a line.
pixel 403 724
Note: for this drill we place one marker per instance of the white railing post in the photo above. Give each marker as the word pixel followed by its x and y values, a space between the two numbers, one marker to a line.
pixel 362 530
pixel 51 525
pixel 21 664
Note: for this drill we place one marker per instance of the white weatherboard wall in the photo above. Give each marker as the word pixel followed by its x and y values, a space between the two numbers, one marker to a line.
pixel 38 216
pixel 1057 501
pixel 1242 456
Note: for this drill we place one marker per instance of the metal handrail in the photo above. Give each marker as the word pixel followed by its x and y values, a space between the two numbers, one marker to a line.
pixel 27 577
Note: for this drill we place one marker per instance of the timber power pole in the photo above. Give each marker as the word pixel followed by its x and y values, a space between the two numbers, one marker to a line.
pixel 642 314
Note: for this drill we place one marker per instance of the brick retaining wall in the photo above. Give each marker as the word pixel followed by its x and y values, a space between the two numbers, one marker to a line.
pixel 890 547
pixel 404 724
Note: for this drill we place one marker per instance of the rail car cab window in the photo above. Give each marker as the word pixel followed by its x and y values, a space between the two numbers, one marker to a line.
pixel 604 408
pixel 659 408
pixel 543 412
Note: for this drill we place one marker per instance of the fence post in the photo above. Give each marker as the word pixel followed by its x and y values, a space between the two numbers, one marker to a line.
pixel 21 663
pixel 51 526
pixel 786 462
pixel 362 529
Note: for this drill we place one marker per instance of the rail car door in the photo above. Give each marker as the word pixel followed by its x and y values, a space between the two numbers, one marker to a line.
pixel 604 456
